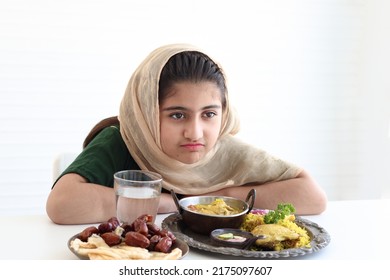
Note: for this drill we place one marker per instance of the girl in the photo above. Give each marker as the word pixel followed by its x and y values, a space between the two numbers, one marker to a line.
pixel 175 119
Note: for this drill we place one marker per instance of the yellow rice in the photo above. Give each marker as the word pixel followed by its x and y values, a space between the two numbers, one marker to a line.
pixel 304 238
pixel 253 220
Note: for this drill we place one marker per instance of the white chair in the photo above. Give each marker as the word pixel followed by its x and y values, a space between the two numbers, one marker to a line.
pixel 61 162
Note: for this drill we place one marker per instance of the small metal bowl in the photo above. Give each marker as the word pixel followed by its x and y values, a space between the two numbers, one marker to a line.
pixel 232 237
pixel 205 223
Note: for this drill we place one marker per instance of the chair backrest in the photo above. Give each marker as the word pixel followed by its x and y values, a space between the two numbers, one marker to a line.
pixel 61 162
pixel 99 127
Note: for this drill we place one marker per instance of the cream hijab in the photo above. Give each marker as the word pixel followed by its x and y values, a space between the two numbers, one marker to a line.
pixel 231 162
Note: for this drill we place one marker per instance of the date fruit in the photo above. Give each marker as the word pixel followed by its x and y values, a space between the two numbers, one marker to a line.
pixel 114 221
pixel 83 236
pixel 136 239
pixel 140 233
pixel 111 238
pixel 105 227
pixel 164 245
pixel 141 227
pixel 146 217
pixel 153 229
pixel 153 242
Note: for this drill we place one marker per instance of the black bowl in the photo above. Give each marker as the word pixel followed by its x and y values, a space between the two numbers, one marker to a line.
pixel 205 223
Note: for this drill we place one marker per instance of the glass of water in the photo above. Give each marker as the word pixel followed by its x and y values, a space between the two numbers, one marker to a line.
pixel 137 193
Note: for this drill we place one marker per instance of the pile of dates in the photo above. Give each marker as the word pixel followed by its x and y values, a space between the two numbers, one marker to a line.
pixel 140 233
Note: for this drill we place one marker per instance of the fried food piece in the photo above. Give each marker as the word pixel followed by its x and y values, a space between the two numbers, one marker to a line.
pixel 275 235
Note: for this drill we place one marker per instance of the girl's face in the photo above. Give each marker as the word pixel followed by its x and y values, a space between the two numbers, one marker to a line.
pixel 190 120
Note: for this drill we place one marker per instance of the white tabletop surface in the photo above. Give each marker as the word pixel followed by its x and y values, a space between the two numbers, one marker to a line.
pixel 357 228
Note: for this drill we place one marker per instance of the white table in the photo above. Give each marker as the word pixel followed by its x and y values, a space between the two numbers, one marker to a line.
pixel 357 230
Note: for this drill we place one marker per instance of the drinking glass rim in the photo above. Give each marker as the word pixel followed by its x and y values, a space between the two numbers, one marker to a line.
pixel 154 177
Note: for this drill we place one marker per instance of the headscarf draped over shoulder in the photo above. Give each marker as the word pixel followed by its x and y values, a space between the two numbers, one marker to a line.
pixel 231 162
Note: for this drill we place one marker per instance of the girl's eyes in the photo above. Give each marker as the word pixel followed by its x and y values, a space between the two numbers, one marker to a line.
pixel 209 114
pixel 177 116
pixel 206 115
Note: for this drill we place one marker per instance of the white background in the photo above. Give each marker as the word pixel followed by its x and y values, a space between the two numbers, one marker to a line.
pixel 309 80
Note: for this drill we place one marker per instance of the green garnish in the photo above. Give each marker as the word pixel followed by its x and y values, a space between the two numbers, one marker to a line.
pixel 283 210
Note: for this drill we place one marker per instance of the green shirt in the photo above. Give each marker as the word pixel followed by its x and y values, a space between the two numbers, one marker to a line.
pixel 105 154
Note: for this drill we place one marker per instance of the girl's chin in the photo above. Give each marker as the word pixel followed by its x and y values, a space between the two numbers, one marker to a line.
pixel 190 159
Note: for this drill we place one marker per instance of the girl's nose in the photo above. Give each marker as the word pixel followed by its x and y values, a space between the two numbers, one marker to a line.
pixel 193 130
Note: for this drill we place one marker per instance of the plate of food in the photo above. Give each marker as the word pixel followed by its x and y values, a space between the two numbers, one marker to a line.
pixel 267 234
pixel 140 240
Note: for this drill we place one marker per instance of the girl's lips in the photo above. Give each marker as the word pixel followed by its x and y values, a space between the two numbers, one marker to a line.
pixel 193 146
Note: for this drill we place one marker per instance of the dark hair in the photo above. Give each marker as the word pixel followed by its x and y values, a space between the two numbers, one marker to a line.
pixel 110 121
pixel 191 66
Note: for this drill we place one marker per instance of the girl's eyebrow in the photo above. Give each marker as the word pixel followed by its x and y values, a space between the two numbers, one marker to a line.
pixel 181 108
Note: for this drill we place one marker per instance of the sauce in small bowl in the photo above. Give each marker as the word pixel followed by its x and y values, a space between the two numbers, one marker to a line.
pixel 232 237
